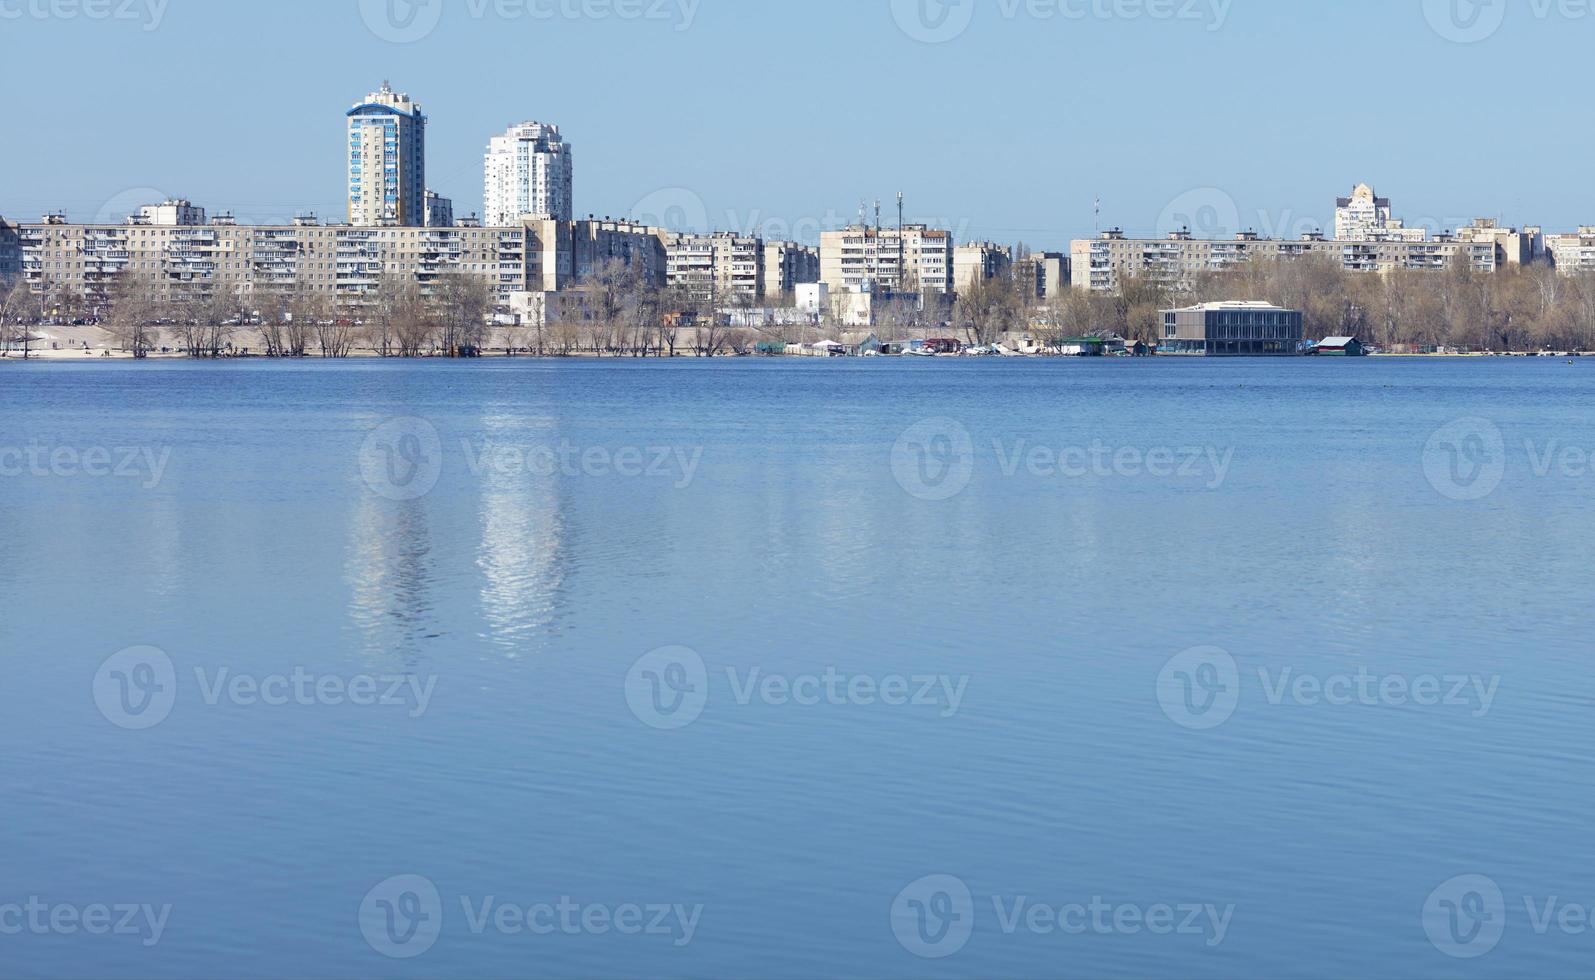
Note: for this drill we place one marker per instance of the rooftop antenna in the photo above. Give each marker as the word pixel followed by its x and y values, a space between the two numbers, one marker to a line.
pixel 902 255
pixel 1096 221
pixel 877 216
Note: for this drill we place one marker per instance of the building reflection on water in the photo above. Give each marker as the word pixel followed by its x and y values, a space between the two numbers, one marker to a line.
pixel 522 558
pixel 391 573
pixel 483 555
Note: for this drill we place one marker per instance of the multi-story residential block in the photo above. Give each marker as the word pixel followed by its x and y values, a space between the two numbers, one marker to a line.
pixel 439 211
pixel 913 259
pixel 1367 217
pixel 978 262
pixel 1573 253
pixel 788 265
pixel 344 262
pixel 1514 247
pixel 341 261
pixel 723 267
pixel 527 172
pixel 597 242
pixel 1101 262
pixel 1232 330
pixel 1048 272
pixel 387 161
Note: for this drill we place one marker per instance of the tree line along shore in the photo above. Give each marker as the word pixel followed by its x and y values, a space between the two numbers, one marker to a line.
pixel 616 313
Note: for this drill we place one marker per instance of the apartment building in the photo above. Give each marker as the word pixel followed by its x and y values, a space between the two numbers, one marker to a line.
pixel 788 265
pixel 527 171
pixel 1573 253
pixel 1367 217
pixel 1513 247
pixel 1047 272
pixel 979 262
pixel 345 262
pixel 596 242
pixel 387 161
pixel 342 261
pixel 913 259
pixel 718 268
pixel 1099 263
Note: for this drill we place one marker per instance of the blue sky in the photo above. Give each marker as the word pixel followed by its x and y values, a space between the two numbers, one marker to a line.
pixel 1004 119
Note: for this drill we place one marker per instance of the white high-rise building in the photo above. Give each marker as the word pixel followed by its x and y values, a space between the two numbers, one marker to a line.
pixel 527 171
pixel 387 161
pixel 1367 217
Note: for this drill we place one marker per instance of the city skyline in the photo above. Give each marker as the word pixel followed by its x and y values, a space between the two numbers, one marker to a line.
pixel 528 171
pixel 1083 113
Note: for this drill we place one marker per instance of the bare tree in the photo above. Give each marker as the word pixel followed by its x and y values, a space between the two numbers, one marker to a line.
pixel 988 308
pixel 461 304
pixel 413 327
pixel 136 303
pixel 15 300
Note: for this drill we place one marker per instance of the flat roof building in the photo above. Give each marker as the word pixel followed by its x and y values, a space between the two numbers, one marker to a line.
pixel 1235 329
pixel 1099 263
pixel 915 258
pixel 978 262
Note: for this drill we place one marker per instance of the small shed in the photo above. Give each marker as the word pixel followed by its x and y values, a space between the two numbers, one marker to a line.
pixel 1082 346
pixel 1341 347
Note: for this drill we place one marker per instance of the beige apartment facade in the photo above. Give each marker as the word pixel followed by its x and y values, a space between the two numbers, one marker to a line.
pixel 343 262
pixel 1099 263
pixel 1573 253
pixel 1047 273
pixel 722 267
pixel 913 259
pixel 979 262
pixel 788 265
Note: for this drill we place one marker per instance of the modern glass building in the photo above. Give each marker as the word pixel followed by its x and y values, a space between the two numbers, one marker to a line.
pixel 1232 330
pixel 387 161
